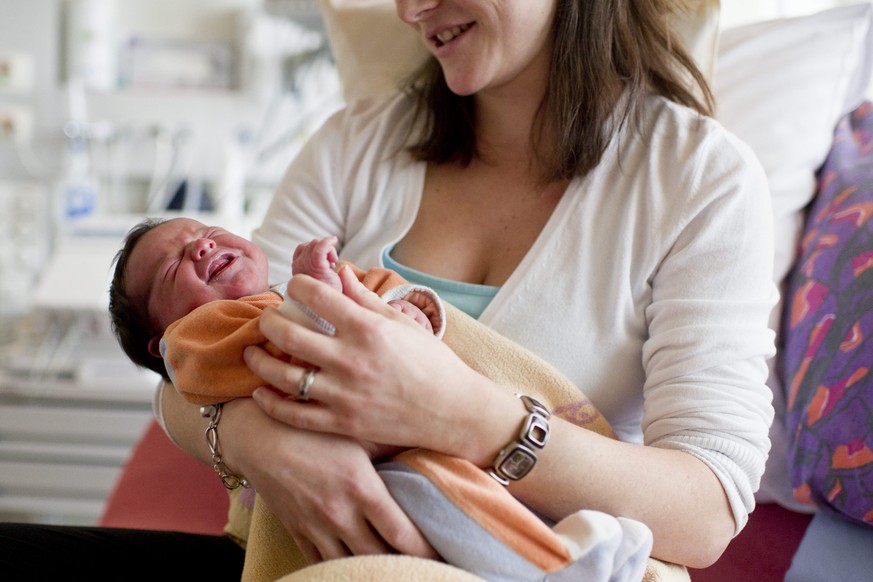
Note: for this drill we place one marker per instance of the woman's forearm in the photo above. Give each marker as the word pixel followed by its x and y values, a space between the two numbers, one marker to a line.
pixel 184 424
pixel 671 491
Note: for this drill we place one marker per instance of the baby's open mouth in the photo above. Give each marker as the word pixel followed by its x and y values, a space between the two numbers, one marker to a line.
pixel 218 266
pixel 450 34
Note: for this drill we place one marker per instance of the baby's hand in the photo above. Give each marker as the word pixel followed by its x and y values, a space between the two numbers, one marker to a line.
pixel 318 259
pixel 412 311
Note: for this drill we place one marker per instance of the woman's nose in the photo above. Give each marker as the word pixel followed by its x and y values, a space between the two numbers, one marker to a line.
pixel 411 11
pixel 200 247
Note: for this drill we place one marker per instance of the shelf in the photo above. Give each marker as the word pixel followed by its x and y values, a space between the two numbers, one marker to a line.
pixel 63 442
pixel 72 422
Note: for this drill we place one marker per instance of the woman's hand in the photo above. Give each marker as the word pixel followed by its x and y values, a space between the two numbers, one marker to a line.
pixel 381 377
pixel 322 488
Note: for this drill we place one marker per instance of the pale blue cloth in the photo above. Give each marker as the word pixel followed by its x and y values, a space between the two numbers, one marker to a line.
pixel 833 550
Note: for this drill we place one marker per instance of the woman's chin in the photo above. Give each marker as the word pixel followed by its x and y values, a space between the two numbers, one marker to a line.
pixel 462 87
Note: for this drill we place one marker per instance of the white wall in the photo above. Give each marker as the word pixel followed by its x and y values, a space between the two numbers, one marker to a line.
pixel 735 12
pixel 36 27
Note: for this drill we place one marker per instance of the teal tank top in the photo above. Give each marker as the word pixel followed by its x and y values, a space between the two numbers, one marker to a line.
pixel 470 298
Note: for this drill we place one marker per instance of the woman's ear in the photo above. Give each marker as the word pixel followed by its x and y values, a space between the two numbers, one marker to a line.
pixel 155 347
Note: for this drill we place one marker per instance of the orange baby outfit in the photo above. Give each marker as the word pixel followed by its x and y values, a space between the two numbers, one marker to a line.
pixel 203 351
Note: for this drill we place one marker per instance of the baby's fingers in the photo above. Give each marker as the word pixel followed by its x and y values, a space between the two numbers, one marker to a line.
pixel 357 292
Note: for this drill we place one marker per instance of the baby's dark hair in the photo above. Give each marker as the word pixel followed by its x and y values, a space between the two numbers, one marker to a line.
pixel 130 320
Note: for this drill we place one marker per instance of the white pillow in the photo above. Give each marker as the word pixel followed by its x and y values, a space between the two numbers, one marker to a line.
pixel 374 50
pixel 782 86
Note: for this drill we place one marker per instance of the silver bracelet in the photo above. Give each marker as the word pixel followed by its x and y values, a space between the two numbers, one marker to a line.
pixel 231 481
pixel 516 459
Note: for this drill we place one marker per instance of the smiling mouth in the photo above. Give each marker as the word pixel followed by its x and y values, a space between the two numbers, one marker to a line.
pixel 451 34
pixel 217 267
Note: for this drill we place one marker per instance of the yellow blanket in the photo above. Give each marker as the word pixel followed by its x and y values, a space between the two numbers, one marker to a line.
pixel 272 554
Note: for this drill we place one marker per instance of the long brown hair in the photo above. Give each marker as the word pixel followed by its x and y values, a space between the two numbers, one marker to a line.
pixel 604 49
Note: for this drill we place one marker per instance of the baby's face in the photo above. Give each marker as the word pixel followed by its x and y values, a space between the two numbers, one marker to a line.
pixel 182 264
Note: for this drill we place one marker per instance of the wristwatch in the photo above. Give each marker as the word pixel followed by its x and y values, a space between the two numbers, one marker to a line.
pixel 517 458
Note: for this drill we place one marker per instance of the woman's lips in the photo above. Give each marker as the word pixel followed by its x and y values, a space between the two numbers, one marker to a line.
pixel 448 35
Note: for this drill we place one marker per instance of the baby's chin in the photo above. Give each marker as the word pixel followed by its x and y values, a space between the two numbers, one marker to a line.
pixel 242 283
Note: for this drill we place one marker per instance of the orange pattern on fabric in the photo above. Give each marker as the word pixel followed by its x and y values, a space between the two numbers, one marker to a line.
pixel 803 494
pixel 851 456
pixel 853 338
pixel 821 402
pixel 816 336
pixel 862 263
pixel 807 299
pixel 838 200
pixel 823 243
pixel 856 213
pixel 835 491
pixel 818 404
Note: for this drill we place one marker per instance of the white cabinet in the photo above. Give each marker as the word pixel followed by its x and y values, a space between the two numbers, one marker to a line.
pixel 65 434
pixel 60 457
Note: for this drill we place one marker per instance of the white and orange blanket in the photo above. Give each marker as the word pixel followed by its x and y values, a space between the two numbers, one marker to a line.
pixel 481 531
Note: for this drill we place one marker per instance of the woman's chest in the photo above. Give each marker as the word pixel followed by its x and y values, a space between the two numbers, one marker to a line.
pixel 477 225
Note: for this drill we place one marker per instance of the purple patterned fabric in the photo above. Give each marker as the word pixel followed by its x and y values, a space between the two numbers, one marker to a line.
pixel 828 333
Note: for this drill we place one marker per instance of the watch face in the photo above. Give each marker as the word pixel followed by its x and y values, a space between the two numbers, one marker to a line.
pixel 517 463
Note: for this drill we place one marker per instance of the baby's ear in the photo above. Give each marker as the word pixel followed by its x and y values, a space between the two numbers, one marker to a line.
pixel 155 347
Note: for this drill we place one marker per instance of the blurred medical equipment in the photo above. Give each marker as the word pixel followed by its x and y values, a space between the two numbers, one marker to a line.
pixel 154 119
pixel 91 43
pixel 196 147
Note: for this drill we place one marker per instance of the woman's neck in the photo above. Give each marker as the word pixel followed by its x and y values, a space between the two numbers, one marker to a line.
pixel 505 117
pixel 508 138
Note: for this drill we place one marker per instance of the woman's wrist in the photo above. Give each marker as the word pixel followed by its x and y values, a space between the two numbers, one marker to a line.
pixel 496 420
pixel 228 478
pixel 236 419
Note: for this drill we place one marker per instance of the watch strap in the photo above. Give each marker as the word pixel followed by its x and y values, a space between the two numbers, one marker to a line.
pixel 518 458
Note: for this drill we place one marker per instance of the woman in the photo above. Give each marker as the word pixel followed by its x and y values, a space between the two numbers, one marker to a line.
pixel 553 148
pixel 553 136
